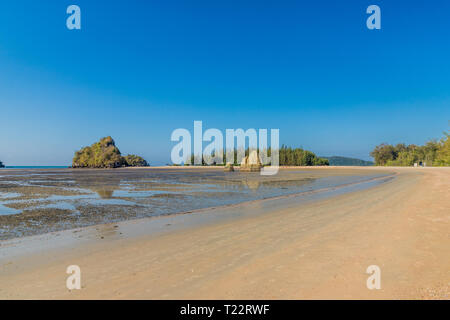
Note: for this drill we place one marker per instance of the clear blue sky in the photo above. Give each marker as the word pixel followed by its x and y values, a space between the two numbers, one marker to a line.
pixel 140 69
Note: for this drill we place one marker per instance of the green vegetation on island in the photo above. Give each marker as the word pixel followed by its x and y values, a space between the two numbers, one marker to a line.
pixel 2 165
pixel 105 154
pixel 135 161
pixel 344 161
pixel 433 153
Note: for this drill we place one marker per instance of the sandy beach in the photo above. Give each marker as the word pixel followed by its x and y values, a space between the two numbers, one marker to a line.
pixel 279 248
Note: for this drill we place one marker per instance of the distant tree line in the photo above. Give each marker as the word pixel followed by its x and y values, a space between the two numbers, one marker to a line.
pixel 300 157
pixel 287 157
pixel 433 153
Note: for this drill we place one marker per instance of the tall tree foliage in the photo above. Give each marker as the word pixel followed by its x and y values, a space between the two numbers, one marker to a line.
pixel 433 153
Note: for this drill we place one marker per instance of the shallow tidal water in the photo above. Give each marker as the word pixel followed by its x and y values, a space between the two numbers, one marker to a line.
pixel 37 201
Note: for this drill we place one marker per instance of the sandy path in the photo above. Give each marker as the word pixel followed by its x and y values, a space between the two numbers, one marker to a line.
pixel 314 250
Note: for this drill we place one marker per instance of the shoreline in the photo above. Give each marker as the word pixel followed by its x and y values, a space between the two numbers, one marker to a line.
pixel 242 239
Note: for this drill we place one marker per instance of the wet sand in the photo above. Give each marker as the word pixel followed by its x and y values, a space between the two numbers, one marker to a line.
pixel 37 201
pixel 283 248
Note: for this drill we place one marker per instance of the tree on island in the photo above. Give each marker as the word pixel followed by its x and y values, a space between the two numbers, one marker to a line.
pixel 105 154
pixel 2 165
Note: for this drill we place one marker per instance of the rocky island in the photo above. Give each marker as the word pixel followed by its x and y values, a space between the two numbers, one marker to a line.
pixel 105 154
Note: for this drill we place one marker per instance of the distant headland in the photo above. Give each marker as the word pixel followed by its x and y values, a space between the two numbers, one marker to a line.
pixel 105 154
pixel 345 161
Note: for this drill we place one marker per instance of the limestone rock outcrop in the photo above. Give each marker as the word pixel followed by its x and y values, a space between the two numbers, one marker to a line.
pixel 105 154
pixel 251 163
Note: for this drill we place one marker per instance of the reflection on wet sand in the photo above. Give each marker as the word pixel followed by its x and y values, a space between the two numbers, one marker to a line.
pixel 103 187
pixel 103 192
